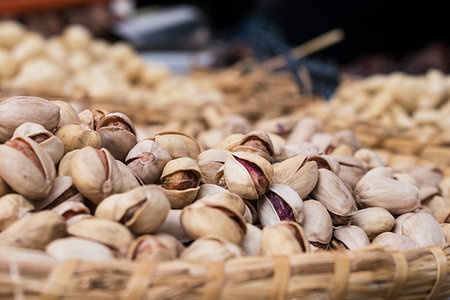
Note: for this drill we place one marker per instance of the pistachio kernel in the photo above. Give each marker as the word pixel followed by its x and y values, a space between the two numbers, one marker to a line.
pixel 180 180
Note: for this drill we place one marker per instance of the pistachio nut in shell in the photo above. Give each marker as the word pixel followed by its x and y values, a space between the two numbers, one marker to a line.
pixel 328 162
pixel 427 176
pixel 211 248
pixel 297 173
pixel 147 159
pixel 72 211
pixel 369 158
pixel 351 170
pixel 17 110
pixel 228 199
pixel 247 175
pixel 12 208
pixel 258 142
pixel 334 195
pixel 252 240
pixel 209 189
pixel 63 189
pixel 304 130
pixel 394 242
pixel 66 112
pixel 117 134
pixel 109 233
pixel 349 238
pixel 440 208
pixel 421 228
pixel 77 136
pixel 76 248
pixel 446 230
pixel 210 161
pixel 34 231
pixel 129 179
pixel 307 149
pixel 142 209
pixel 280 203
pixel 157 247
pixel 444 186
pixel 317 224
pixel 64 163
pixel 231 141
pixel 180 179
pixel 349 138
pixel 204 218
pixel 86 118
pixel 285 238
pixel 374 221
pixel 172 226
pixel 177 144
pixel 27 168
pixel 95 173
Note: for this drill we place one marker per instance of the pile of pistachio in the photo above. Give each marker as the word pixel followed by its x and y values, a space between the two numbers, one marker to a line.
pixel 82 185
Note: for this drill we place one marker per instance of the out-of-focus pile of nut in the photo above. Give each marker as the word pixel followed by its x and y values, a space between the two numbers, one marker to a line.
pixel 75 64
pixel 85 186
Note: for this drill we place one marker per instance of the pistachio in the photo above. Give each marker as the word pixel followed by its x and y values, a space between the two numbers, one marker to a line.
pixel 231 141
pixel 142 209
pixel 26 168
pixel 172 226
pixel 12 208
pixel 147 160
pixel 63 189
pixel 72 211
pixel 252 240
pixel 67 113
pixel 177 144
pixel 158 247
pixel 210 161
pixel 446 230
pixel 86 118
pixel 304 130
pixel 211 248
pixel 129 179
pixel 349 238
pixel 209 189
pixel 421 228
pixel 77 136
pixel 351 170
pixel 235 124
pixel 117 134
pixel 444 185
pixel 427 176
pixel 405 177
pixel 374 221
pixel 229 199
pixel 17 110
pixel 317 224
pixel 285 238
pixel 394 242
pixel 325 142
pixel 326 162
pixel 97 115
pixel 348 138
pixel 307 149
pixel 281 125
pixel 64 163
pixel 76 248
pixel 369 158
pixel 257 142
pixel 280 203
pixel 34 231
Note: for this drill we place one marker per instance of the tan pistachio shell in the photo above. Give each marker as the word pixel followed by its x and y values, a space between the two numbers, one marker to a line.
pixel 118 139
pixel 86 118
pixel 369 158
pixel 295 172
pixel 421 228
pixel 349 237
pixel 63 188
pixel 351 170
pixel 66 112
pixel 109 233
pixel 21 174
pixel 142 209
pixel 304 130
pixel 307 149
pixel 158 247
pixel 209 189
pixel 129 179
pixel 64 163
pixel 77 136
pixel 317 224
pixel 326 162
pixel 72 211
pixel 427 176
pixel 405 177
pixel 177 144
pixel 17 110
pixel 446 230
pixel 172 226
pixel 211 248
pixel 76 248
pixel 278 145
pixel 285 238
pixel 228 199
pixel 147 160
pixel 231 141
pixel 325 141
pixel 94 177
pixel 374 221
pixel 97 115
pixel 235 124
pixel 34 231
pixel 334 195
pixel 12 208
pixel 258 142
pixel 440 208
pixel 210 161
pixel 280 125
pixel 394 242
pixel 444 185
pixel 205 217
pixel 252 240
pixel 238 179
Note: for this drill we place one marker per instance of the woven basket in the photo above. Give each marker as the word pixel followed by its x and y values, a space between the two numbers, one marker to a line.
pixel 364 274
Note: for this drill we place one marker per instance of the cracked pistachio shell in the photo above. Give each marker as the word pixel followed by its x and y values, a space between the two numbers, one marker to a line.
pixel 351 170
pixel 180 179
pixel 349 237
pixel 27 168
pixel 34 231
pixel 12 208
pixel 249 181
pixel 159 247
pixel 106 232
pixel 46 140
pixel 95 173
pixel 307 149
pixel 304 130
pixel 280 203
pixel 64 163
pixel 97 115
pixel 446 230
pixel 231 141
pixel 66 112
pixel 172 226
pixel 211 248
pixel 394 242
pixel 177 144
pixel 326 162
pixel 285 238
pixel 317 224
pixel 77 136
pixel 297 173
pixel 76 248
pixel 117 134
pixel 440 208
pixel 228 199
pixel 209 189
pixel 142 209
pixel 395 196
pixel 334 195
pixel 210 161
pixel 257 142
pixel 129 180
pixel 17 110
pixel 147 160
pixel 369 158
pixel 374 221
pixel 421 228
pixel 63 189
pixel 72 211
pixel 252 240
pixel 205 217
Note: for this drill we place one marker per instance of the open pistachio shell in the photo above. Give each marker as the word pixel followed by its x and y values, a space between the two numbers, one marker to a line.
pixel 66 112
pixel 247 175
pixel 12 208
pixel 326 162
pixel 210 161
pixel 64 163
pixel 421 228
pixel 177 144
pixel 209 189
pixel 63 189
pixel 147 160
pixel 228 199
pixel 72 211
pixel 258 142
pixel 394 242
pixel 351 170
pixel 231 141
pixel 374 221
pixel 76 248
pixel 326 142
pixel 349 237
pixel 129 179
pixel 158 247
pixel 27 168
pixel 285 238
pixel 95 173
pixel 172 226
pixel 117 134
pixel 142 209
pixel 317 224
pixel 211 248
pixel 77 136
